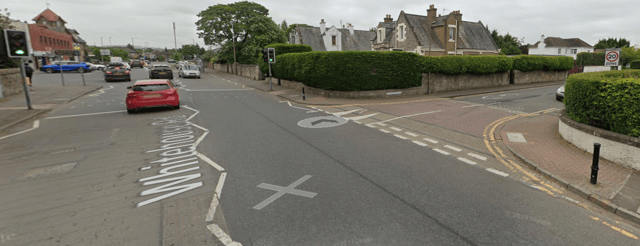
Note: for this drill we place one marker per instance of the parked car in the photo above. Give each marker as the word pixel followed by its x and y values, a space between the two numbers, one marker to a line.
pixel 96 66
pixel 126 65
pixel 560 93
pixel 160 71
pixel 152 93
pixel 79 67
pixel 137 63
pixel 171 61
pixel 189 70
pixel 117 71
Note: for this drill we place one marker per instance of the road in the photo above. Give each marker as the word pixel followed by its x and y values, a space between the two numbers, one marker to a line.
pixel 415 173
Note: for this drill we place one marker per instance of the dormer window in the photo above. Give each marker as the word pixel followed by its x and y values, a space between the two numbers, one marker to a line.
pixel 333 40
pixel 379 36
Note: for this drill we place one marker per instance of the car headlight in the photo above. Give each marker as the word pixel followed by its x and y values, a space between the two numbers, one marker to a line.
pixel 561 89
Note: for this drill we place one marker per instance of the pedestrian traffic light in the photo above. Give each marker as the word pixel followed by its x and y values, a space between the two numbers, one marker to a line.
pixel 265 55
pixel 17 45
pixel 272 55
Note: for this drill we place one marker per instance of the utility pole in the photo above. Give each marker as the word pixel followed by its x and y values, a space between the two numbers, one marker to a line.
pixel 101 43
pixel 174 36
pixel 133 45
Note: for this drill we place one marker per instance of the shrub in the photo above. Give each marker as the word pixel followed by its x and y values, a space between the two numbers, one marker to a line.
pixel 282 49
pixel 608 100
pixel 634 64
pixel 590 59
pixel 351 70
pixel 453 65
pixel 528 63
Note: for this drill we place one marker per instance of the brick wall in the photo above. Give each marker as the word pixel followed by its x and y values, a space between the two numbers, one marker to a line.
pixel 11 81
pixel 42 38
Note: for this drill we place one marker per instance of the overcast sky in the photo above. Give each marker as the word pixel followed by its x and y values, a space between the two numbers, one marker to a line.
pixel 150 21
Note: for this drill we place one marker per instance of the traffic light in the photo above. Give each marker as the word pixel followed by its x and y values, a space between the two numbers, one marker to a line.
pixel 17 45
pixel 272 55
pixel 265 55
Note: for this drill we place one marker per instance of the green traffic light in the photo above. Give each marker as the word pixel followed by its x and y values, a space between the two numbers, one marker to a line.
pixel 20 52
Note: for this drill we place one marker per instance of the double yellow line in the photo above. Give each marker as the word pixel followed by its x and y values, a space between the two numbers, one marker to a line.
pixel 490 141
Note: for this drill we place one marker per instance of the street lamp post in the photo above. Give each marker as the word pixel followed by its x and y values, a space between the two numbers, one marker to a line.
pixel 133 45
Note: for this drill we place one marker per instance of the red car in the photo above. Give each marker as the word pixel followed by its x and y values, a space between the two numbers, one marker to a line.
pixel 152 93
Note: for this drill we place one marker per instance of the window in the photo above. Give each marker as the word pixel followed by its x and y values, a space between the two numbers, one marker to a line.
pixel 401 32
pixel 574 51
pixel 451 31
pixel 50 41
pixel 559 51
pixel 379 36
pixel 333 40
pixel 40 39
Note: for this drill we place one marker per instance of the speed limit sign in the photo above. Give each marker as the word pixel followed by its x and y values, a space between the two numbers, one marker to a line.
pixel 612 57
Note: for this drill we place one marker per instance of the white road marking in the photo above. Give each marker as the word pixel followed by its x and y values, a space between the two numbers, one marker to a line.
pixel 312 111
pixel 411 134
pixel 385 131
pixel 36 124
pixel 467 161
pixel 284 190
pixel 212 208
pixel 441 151
pixel 357 122
pixel 382 124
pixel 400 136
pixel 369 125
pixel 430 140
pixel 108 104
pixel 497 172
pixel 361 117
pixel 218 89
pixel 144 168
pixel 345 112
pixel 395 129
pixel 571 200
pixel 223 176
pixel 478 156
pixel 410 115
pixel 77 115
pixel 476 105
pixel 212 163
pixel 222 236
pixel 453 148
pixel 420 143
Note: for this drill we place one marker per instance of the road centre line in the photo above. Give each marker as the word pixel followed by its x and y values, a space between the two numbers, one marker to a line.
pixel 419 143
pixel 467 161
pixel 78 115
pixel 36 124
pixel 453 148
pixel 369 125
pixel 411 134
pixel 477 156
pixel 441 151
pixel 497 172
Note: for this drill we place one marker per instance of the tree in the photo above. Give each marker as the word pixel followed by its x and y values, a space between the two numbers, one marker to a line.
pixel 130 46
pixel 283 25
pixel 160 58
pixel 5 23
pixel 612 43
pixel 165 49
pixel 189 50
pixel 373 29
pixel 293 26
pixel 508 44
pixel 245 25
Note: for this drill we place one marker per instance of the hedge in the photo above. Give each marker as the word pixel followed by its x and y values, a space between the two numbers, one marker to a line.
pixel 528 63
pixel 453 65
pixel 351 70
pixel 609 100
pixel 634 64
pixel 282 49
pixel 597 59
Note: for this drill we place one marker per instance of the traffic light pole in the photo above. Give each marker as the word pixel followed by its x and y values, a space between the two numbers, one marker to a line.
pixel 24 83
pixel 270 79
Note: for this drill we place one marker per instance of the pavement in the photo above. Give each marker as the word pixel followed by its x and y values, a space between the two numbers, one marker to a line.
pixel 546 152
pixel 43 99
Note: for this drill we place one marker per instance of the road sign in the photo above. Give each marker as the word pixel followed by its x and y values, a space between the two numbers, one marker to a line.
pixel 322 122
pixel 105 52
pixel 612 57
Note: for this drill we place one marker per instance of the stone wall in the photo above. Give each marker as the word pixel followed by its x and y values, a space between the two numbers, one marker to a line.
pixel 538 76
pixel 621 149
pixel 11 81
pixel 249 71
pixel 357 94
pixel 445 83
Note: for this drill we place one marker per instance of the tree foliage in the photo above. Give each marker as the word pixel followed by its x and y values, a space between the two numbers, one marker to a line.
pixel 292 27
pixel 509 45
pixel 245 25
pixel 5 23
pixel 612 43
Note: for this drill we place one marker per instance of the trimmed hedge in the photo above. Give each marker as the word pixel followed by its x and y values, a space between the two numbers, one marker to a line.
pixel 352 70
pixel 634 64
pixel 282 49
pixel 528 63
pixel 609 100
pixel 453 65
pixel 590 59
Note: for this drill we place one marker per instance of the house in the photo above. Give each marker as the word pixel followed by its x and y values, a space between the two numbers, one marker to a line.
pixel 332 38
pixel 433 35
pixel 133 54
pixel 554 46
pixel 50 37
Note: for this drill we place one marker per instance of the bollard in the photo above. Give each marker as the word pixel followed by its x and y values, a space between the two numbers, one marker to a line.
pixel 594 166
pixel 82 73
pixel 303 97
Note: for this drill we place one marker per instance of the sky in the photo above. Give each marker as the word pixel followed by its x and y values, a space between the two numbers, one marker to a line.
pixel 150 22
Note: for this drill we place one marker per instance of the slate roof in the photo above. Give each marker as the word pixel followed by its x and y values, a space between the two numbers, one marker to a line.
pixel 359 41
pixel 423 31
pixel 389 26
pixel 48 15
pixel 80 40
pixel 440 20
pixel 473 35
pixel 311 36
pixel 560 42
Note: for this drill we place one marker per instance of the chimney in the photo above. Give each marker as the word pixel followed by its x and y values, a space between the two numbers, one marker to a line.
pixel 350 28
pixel 388 19
pixel 542 39
pixel 457 15
pixel 431 13
pixel 322 27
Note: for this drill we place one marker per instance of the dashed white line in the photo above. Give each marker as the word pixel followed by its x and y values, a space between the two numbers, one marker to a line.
pixel 382 124
pixel 223 176
pixel 400 136
pixel 357 122
pixel 497 172
pixel 395 129
pixel 411 134
pixel 453 148
pixel 419 143
pixel 441 151
pixel 212 163
pixel 430 140
pixel 369 125
pixel 478 156
pixel 467 161
pixel 346 112
pixel 144 168
pixel 385 131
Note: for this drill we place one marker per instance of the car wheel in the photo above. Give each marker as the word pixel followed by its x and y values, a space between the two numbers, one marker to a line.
pixel 198 77
pixel 49 70
pixel 176 107
pixel 131 111
pixel 80 70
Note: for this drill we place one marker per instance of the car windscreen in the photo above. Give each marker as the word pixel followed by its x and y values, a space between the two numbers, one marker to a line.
pixel 192 68
pixel 160 67
pixel 113 65
pixel 156 87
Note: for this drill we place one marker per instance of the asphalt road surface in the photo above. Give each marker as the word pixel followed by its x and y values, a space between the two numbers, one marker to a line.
pixel 91 174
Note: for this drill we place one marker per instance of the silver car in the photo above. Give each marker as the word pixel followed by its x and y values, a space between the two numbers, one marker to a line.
pixel 560 93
